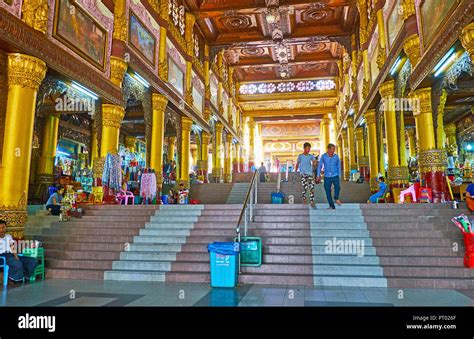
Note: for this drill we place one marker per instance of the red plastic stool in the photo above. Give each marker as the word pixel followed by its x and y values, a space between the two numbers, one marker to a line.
pixel 426 195
pixel 469 250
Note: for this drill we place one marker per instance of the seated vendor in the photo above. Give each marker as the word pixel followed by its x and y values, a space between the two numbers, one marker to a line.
pixel 380 193
pixel 54 202
pixel 470 196
pixel 19 267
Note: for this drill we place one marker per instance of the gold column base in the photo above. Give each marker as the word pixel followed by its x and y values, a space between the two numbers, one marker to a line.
pixel 432 160
pixel 398 175
pixel 216 174
pixel 363 161
pixel 227 178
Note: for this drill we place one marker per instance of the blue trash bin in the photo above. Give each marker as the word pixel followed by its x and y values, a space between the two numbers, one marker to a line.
pixel 224 263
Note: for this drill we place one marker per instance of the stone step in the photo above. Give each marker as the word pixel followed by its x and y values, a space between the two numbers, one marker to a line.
pixel 86 238
pixel 141 265
pixel 91 231
pixel 451 283
pixel 422 261
pixel 134 276
pixel 83 255
pixel 165 232
pixel 149 256
pixel 143 239
pixel 119 212
pixel 173 219
pixel 79 264
pixel 165 226
pixel 94 224
pixel 121 218
pixel 145 247
pixel 428 272
pixel 78 274
pixel 83 246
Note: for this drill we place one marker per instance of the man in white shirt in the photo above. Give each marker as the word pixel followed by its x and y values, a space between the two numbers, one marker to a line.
pixel 19 267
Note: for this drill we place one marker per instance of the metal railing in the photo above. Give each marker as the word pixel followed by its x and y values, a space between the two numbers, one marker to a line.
pixel 247 210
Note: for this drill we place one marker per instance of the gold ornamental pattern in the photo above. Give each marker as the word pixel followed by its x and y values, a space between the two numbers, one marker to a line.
pixel 433 160
pixel 25 71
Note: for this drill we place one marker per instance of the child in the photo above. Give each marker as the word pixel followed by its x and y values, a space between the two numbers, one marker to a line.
pixel 183 194
pixel 306 165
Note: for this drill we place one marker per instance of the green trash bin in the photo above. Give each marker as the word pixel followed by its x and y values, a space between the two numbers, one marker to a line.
pixel 250 251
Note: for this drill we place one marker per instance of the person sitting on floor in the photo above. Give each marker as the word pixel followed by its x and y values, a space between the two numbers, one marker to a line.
pixel 470 196
pixel 54 202
pixel 183 194
pixel 19 267
pixel 380 193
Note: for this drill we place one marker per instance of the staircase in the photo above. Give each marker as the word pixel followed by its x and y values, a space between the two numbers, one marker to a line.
pixel 238 193
pixel 415 245
pixel 84 248
pixel 210 193
pixel 37 221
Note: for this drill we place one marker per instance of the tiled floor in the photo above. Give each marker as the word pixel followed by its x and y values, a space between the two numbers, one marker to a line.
pixel 58 292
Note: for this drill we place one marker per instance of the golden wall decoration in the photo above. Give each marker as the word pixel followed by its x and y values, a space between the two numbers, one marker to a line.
pixel 432 160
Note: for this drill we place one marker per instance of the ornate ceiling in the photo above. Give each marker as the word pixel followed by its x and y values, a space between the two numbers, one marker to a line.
pixel 263 37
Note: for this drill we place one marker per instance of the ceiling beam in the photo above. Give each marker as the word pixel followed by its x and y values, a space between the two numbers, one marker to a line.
pixel 301 113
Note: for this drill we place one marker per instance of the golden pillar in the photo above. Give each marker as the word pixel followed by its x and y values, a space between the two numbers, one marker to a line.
pixel 381 56
pixel 345 155
pixel 171 148
pixel 188 36
pixel 207 78
pixel 217 153
pixel 228 158
pixel 194 153
pixel 186 124
pixel 48 147
pixel 402 143
pixel 432 161
pixel 251 123
pixel 362 159
pixel 440 134
pixel 25 74
pixel 351 143
pixel 130 143
pixel 371 121
pixel 203 161
pixel 159 103
pixel 235 158
pixel 112 116
pixel 163 56
pixel 411 142
pixel 397 173
pixel 325 134
pixel 451 142
pixel 94 144
pixel 467 39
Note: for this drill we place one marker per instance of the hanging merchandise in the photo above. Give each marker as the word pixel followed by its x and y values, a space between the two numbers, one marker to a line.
pixel 112 174
pixel 148 185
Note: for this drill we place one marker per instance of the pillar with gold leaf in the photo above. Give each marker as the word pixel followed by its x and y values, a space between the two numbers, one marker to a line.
pixel 186 125
pixel 371 121
pixel 410 132
pixel 345 155
pixel 431 160
pixel 228 157
pixel 118 64
pixel 171 148
pixel 217 153
pixel 440 132
pixel 25 74
pixel 203 162
pixel 159 103
pixel 235 158
pixel 45 169
pixel 325 134
pixel 451 141
pixel 112 116
pixel 362 159
pixel 351 143
pixel 188 35
pixel 251 124
pixel 162 9
pixel 467 39
pixel 397 174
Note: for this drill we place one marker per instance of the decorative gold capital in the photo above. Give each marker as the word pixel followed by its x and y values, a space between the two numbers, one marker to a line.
pixel 387 89
pixel 186 123
pixel 359 133
pixel 159 101
pixel 442 101
pixel 467 39
pixel 350 121
pixel 205 138
pixel 112 115
pixel 370 116
pixel 120 21
pixel 35 14
pixel 381 57
pixel 421 101
pixel 118 67
pixel 410 132
pixel 365 88
pixel 398 174
pixel 219 127
pixel 25 70
pixel 411 46
pixel 188 97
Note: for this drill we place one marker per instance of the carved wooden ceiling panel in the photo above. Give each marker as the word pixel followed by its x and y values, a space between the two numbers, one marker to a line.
pixel 274 39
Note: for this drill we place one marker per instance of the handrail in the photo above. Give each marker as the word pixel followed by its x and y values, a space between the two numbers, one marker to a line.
pixel 244 206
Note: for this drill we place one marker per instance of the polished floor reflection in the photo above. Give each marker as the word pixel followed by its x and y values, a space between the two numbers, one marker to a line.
pixel 58 292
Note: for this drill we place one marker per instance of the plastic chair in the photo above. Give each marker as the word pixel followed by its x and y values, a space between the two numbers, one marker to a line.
pixel 5 270
pixel 383 199
pixel 410 190
pixel 426 195
pixel 37 253
pixel 124 196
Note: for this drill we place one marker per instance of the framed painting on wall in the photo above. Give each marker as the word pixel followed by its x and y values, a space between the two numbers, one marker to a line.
pixel 80 32
pixel 175 76
pixel 141 39
pixel 432 17
pixel 394 21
